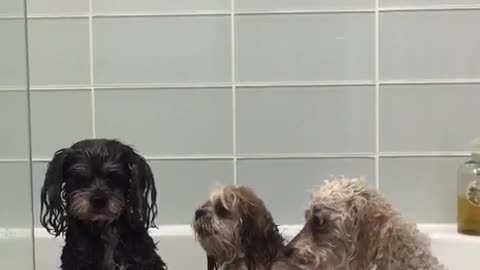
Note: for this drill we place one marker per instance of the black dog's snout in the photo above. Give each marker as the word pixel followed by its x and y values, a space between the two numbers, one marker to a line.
pixel 98 200
pixel 200 213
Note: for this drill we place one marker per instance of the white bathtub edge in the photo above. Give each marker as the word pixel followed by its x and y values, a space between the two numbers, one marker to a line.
pixel 435 231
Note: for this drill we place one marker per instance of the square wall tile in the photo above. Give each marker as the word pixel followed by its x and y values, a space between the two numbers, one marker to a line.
pixel 183 185
pixel 17 252
pixel 149 6
pixel 425 3
pixel 15 201
pixel 59 119
pixel 429 45
pixel 305 47
pixel 168 121
pixel 57 7
pixel 48 250
pixel 306 119
pixel 285 184
pixel 428 117
pixel 39 168
pixel 12 55
pixel 14 124
pixel 169 247
pixel 145 50
pixel 423 189
pixel 11 8
pixel 59 52
pixel 302 4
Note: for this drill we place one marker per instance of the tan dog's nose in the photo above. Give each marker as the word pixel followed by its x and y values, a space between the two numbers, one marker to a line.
pixel 200 213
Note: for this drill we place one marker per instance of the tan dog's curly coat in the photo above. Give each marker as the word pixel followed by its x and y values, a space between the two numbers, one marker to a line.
pixel 350 226
pixel 237 232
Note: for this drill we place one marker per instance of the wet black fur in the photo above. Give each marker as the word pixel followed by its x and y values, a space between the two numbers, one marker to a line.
pixel 122 244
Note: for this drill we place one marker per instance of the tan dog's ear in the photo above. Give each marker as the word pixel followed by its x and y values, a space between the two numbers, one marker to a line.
pixel 377 232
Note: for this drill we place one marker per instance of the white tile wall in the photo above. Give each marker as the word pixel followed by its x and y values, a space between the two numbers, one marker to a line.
pixel 429 45
pixel 151 6
pixel 264 93
pixel 57 7
pixel 290 47
pixel 12 54
pixel 264 5
pixel 159 50
pixel 438 118
pixel 426 3
pixel 59 52
pixel 59 118
pixel 166 122
pixel 423 188
pixel 14 125
pixel 11 8
pixel 302 119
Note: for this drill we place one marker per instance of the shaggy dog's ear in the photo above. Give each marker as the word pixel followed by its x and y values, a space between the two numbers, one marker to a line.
pixel 259 234
pixel 376 231
pixel 211 263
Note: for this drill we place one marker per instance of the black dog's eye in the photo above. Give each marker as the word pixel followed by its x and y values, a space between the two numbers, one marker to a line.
pixel 114 175
pixel 82 178
pixel 221 211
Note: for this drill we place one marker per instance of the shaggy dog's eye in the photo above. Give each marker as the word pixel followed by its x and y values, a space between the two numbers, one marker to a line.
pixel 221 211
pixel 318 219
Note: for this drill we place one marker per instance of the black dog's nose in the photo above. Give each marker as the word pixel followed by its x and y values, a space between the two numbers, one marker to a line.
pixel 98 201
pixel 200 213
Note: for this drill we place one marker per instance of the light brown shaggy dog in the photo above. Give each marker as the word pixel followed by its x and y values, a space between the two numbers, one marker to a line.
pixel 238 232
pixel 352 227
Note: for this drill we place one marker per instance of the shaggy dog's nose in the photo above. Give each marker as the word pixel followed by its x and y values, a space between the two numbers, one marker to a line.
pixel 200 213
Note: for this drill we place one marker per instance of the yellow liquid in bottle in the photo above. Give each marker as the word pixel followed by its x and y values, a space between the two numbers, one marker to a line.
pixel 468 217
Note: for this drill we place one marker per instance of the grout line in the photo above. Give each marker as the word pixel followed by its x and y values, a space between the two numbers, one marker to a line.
pixel 245 12
pixel 234 91
pixel 92 78
pixel 14 160
pixel 162 86
pixel 377 97
pixel 103 87
pixel 29 132
pixel 58 16
pixel 306 156
pixel 424 154
pixel 431 8
pixel 304 11
pixel 431 82
pixel 368 155
pixel 305 83
pixel 164 14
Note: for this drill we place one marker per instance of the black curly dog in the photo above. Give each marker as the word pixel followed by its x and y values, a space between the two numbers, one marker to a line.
pixel 100 194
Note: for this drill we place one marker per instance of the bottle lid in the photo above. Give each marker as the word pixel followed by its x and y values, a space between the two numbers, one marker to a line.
pixel 475 146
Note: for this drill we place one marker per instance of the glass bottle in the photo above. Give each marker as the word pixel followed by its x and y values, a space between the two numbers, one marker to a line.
pixel 468 193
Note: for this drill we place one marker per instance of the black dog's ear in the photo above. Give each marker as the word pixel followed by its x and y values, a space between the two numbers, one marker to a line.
pixel 142 198
pixel 52 210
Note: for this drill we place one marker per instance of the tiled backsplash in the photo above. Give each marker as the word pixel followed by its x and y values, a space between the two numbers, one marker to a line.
pixel 276 94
